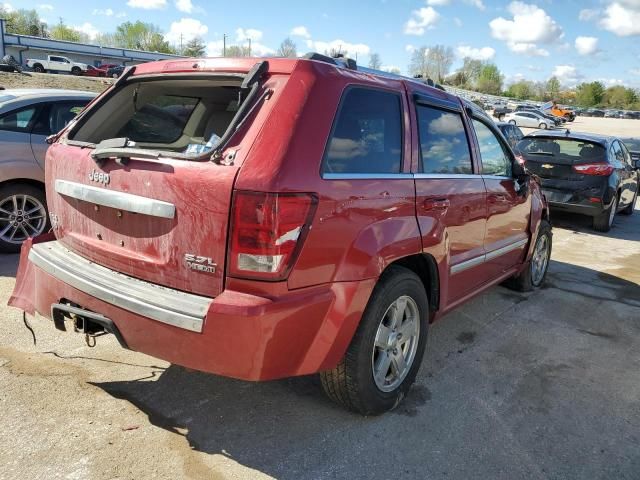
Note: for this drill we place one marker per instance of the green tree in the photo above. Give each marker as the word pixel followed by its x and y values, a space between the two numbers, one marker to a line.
pixel 375 62
pixel 620 97
pixel 288 49
pixel 522 90
pixel 23 22
pixel 195 48
pixel 589 94
pixel 141 36
pixel 489 80
pixel 64 32
pixel 553 88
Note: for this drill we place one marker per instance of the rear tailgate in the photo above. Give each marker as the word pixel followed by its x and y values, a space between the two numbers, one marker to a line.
pixel 184 250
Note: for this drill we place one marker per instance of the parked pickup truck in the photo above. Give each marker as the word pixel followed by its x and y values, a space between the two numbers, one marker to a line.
pixel 262 219
pixel 56 64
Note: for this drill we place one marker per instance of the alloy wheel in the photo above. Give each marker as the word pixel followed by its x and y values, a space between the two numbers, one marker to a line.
pixel 21 217
pixel 540 260
pixel 396 343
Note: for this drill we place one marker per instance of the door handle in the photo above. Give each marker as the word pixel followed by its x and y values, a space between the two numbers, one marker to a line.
pixel 436 204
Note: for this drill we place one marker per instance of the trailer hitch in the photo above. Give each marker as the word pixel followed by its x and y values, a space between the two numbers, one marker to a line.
pixel 91 324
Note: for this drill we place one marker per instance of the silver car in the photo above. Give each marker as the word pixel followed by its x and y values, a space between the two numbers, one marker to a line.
pixel 27 118
pixel 528 119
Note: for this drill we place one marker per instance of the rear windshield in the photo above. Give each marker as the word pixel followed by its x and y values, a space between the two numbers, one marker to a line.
pixel 632 144
pixel 186 116
pixel 564 150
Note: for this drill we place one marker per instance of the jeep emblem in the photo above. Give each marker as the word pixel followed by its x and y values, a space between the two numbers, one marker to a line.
pixel 99 177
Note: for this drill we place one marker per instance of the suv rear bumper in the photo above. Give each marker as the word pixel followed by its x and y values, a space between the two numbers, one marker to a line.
pixel 239 335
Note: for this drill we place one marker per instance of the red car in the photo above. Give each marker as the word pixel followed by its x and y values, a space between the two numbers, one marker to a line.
pixel 106 66
pixel 94 72
pixel 263 219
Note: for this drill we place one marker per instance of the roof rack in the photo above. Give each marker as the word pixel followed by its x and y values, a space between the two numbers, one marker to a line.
pixel 349 63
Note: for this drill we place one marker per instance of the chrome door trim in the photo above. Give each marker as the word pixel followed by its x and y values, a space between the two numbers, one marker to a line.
pixel 367 176
pixel 485 257
pixel 447 176
pixel 114 199
pixel 506 249
pixel 166 305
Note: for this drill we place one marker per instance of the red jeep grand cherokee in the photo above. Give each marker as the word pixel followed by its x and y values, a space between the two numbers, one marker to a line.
pixel 264 219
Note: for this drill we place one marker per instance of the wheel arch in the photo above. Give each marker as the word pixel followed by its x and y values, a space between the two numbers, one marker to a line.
pixel 425 267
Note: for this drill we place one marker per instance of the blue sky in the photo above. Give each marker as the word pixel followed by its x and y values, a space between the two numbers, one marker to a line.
pixel 575 40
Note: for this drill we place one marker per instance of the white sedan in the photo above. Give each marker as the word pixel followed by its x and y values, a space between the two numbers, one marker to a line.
pixel 528 119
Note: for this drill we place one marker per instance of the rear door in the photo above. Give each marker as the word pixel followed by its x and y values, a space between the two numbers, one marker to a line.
pixel 450 195
pixel 15 128
pixel 508 211
pixel 628 182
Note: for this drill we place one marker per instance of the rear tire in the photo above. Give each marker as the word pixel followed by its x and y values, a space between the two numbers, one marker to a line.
pixel 534 274
pixel 604 221
pixel 628 210
pixel 38 68
pixel 543 126
pixel 398 304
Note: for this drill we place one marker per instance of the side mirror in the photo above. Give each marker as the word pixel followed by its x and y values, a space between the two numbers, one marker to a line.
pixel 636 164
pixel 518 170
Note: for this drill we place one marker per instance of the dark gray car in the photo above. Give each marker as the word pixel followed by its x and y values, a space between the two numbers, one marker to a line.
pixel 27 118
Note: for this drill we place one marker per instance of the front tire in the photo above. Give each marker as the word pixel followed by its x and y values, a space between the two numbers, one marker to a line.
pixel 386 351
pixel 38 68
pixel 76 71
pixel 513 122
pixel 628 210
pixel 543 126
pixel 534 274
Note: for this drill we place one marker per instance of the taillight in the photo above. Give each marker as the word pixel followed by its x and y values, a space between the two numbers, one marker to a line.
pixel 267 233
pixel 601 169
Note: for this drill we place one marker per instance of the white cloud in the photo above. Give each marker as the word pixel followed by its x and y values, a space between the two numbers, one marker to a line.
pixel 352 49
pixel 484 53
pixel 421 20
pixel 301 31
pixel 586 45
pixel 409 48
pixel 45 6
pixel 622 18
pixel 635 71
pixel 184 30
pixel 121 15
pixel 475 3
pixel 147 4
pixel 184 6
pixel 91 31
pixel 249 33
pixel 528 26
pixel 611 82
pixel 390 68
pixel 107 12
pixel 436 3
pixel 567 74
pixel 587 14
pixel 7 7
pixel 457 21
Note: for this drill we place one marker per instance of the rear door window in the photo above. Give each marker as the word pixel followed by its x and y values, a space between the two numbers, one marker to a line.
pixel 54 117
pixel 495 159
pixel 444 148
pixel 366 135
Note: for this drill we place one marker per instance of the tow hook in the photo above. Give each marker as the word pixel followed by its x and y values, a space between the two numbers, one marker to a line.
pixel 91 324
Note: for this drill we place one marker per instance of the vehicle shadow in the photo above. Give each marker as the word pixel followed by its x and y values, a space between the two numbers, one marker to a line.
pixel 625 227
pixel 288 429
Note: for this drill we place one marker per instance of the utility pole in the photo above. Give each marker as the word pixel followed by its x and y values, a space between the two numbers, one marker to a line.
pixel 249 47
pixel 224 45
pixel 180 44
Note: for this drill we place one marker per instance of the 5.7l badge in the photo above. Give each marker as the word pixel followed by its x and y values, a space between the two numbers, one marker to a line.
pixel 200 264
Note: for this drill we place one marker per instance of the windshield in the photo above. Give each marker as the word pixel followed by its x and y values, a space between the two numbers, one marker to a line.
pixel 563 150
pixel 632 144
pixel 182 116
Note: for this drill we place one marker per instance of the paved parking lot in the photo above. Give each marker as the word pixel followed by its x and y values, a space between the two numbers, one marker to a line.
pixel 541 385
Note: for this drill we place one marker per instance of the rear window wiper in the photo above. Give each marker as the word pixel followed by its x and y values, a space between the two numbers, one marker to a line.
pixel 549 154
pixel 122 149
